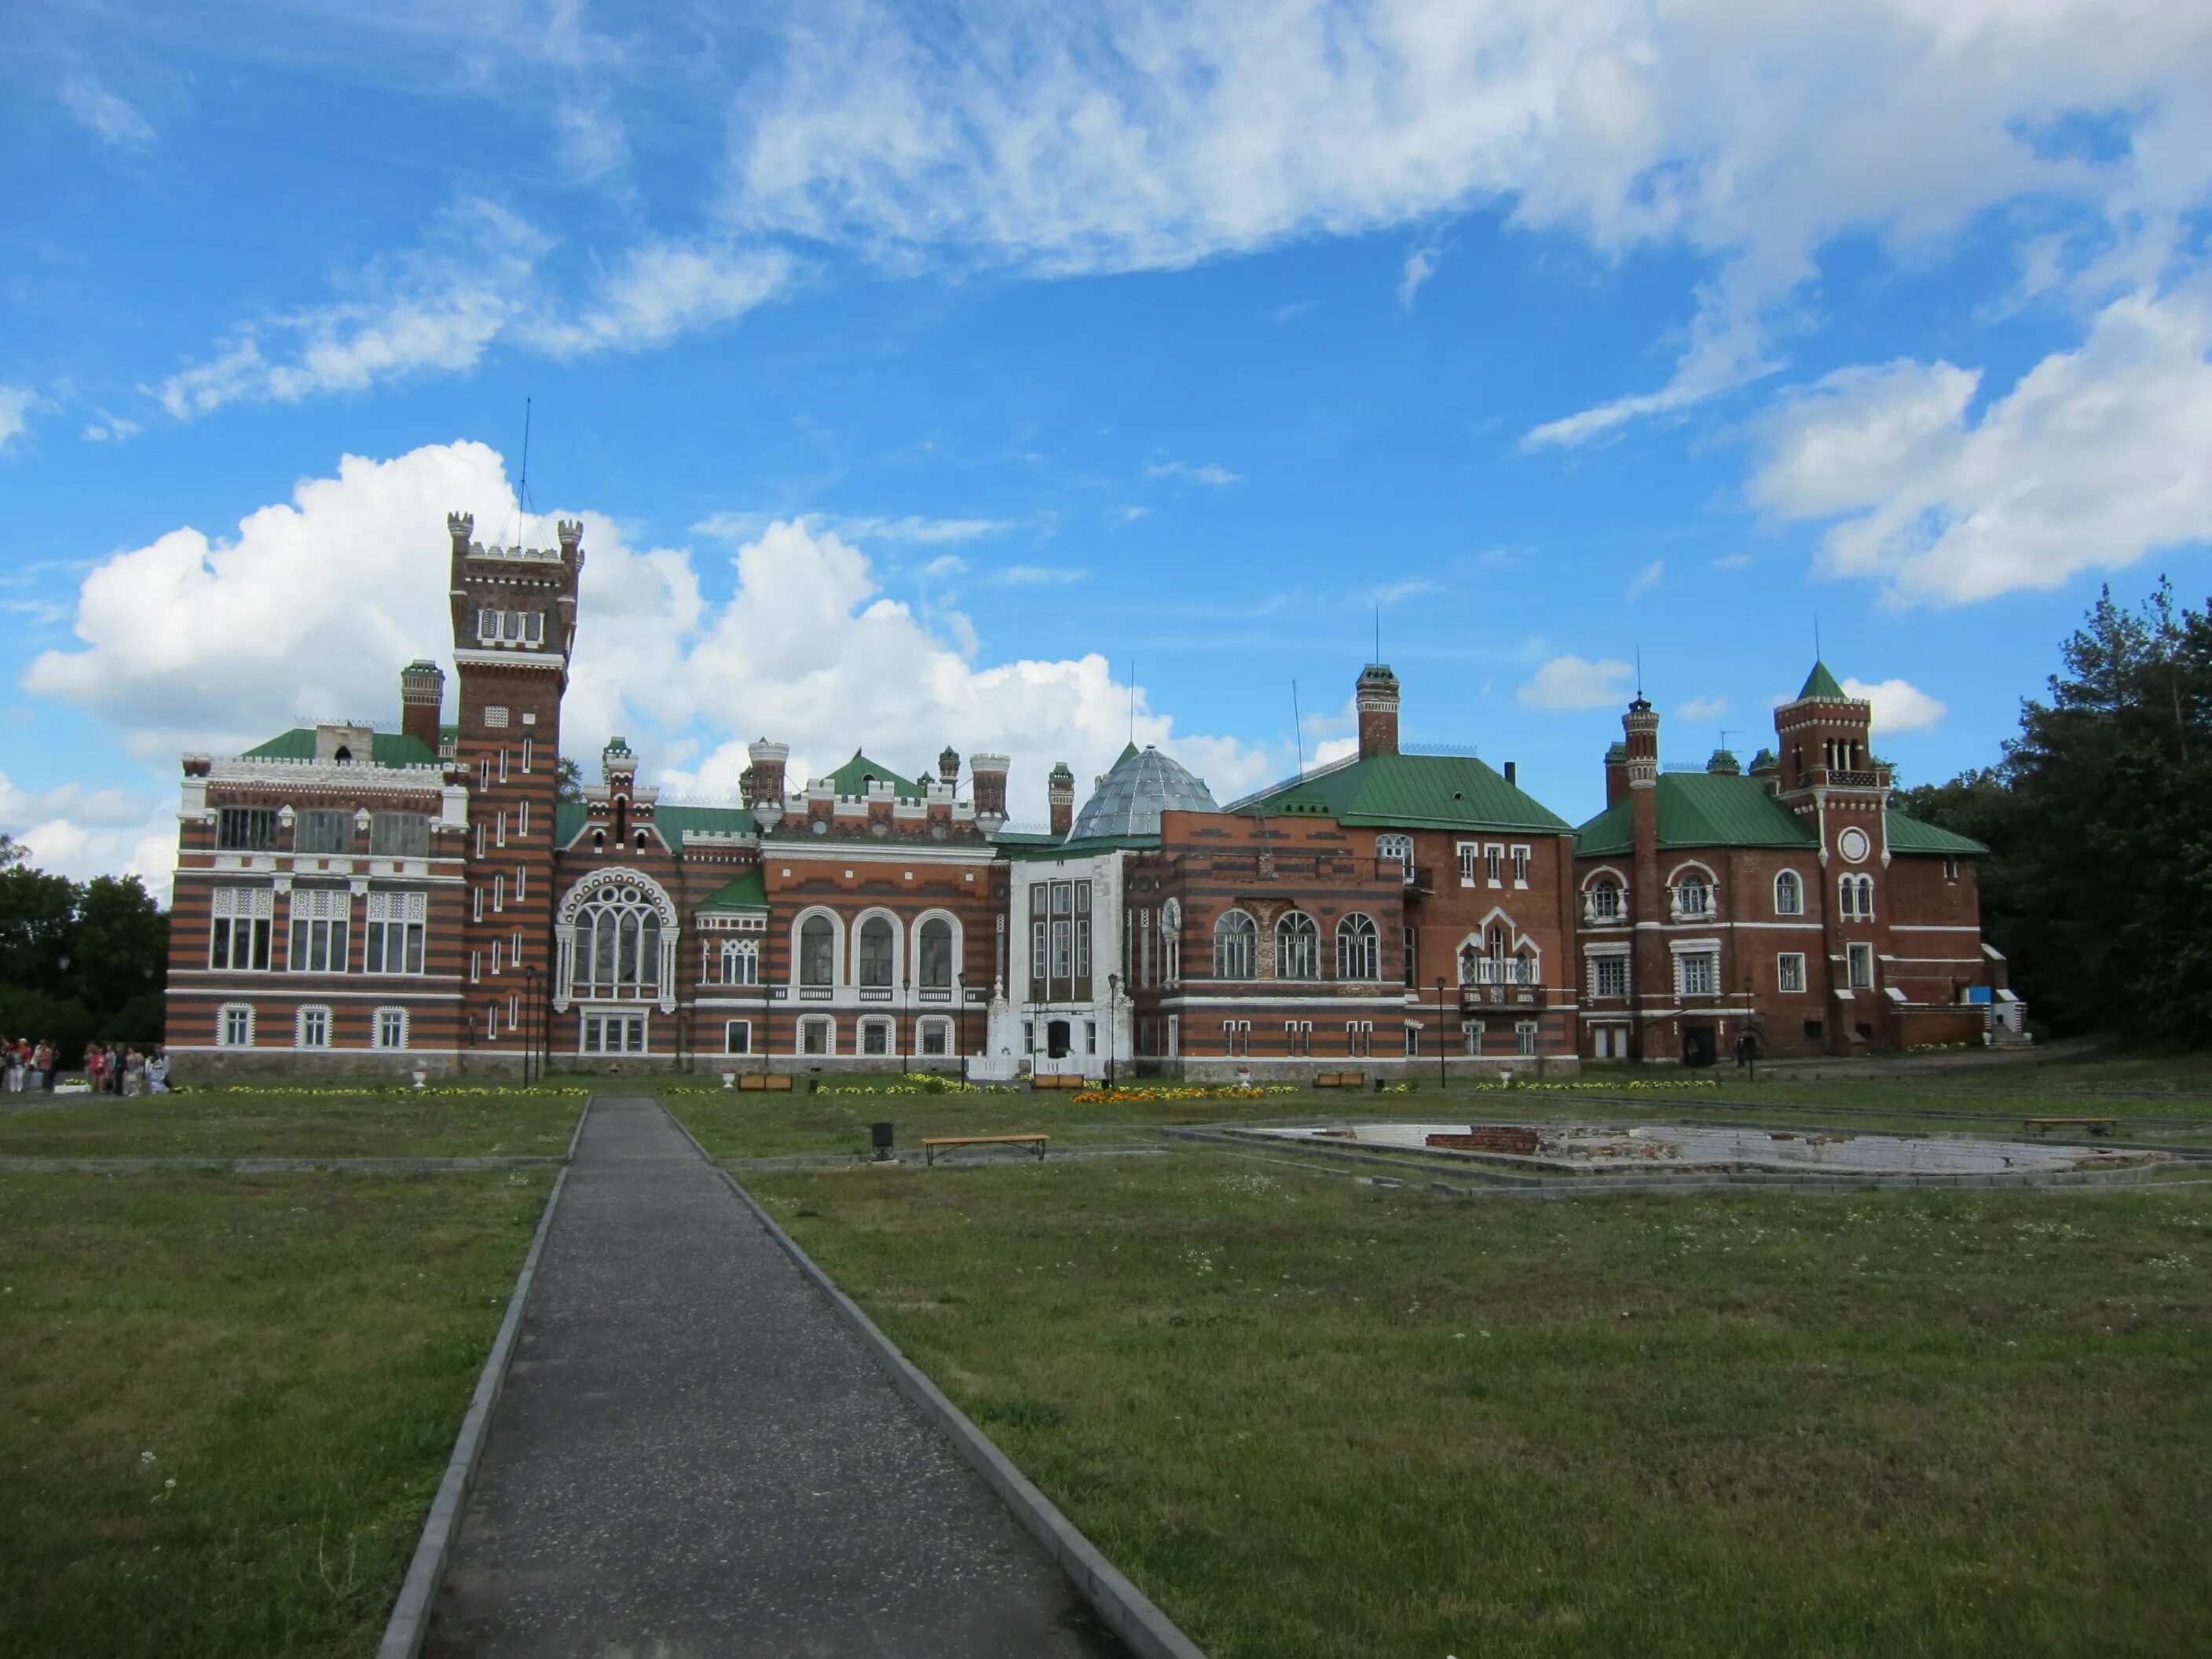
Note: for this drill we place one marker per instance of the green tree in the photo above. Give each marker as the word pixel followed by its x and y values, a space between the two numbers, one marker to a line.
pixel 38 913
pixel 120 950
pixel 567 780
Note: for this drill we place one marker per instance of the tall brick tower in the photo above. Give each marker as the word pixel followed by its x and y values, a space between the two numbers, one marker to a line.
pixel 1655 982
pixel 1376 697
pixel 515 626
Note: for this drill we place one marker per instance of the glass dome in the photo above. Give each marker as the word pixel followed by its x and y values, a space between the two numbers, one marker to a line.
pixel 1130 799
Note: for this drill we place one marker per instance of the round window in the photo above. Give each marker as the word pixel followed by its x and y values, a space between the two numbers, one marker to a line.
pixel 821 826
pixel 1853 844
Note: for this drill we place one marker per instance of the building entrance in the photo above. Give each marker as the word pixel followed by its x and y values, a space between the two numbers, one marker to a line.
pixel 1698 1045
pixel 1056 1040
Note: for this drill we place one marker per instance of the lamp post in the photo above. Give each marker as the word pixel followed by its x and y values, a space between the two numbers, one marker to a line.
pixel 960 1018
pixel 1113 1019
pixel 905 1017
pixel 1440 1031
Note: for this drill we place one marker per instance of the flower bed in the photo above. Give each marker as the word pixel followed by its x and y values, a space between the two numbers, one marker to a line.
pixel 1231 1092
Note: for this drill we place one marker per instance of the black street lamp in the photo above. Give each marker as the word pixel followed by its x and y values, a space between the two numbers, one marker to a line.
pixel 960 1018
pixel 1440 1031
pixel 1113 1019
pixel 905 1017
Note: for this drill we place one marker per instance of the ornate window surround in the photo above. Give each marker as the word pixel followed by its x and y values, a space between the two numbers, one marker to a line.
pixel 564 932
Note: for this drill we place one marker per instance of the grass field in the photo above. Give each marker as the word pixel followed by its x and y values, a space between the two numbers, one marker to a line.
pixel 225 1402
pixel 2147 1095
pixel 1315 1417
pixel 304 1123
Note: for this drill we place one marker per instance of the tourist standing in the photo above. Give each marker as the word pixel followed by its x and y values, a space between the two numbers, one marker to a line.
pixel 157 1073
pixel 42 1067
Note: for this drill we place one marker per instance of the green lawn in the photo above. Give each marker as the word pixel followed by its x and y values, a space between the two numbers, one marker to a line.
pixel 305 1123
pixel 226 1402
pixel 1315 1417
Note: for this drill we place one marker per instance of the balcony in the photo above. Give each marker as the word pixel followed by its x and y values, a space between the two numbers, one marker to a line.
pixel 1479 999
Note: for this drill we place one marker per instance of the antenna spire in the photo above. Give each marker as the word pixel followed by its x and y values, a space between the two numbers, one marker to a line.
pixel 1639 671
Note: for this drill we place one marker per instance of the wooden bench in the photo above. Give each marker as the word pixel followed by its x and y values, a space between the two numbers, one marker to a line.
pixel 1341 1081
pixel 1059 1081
pixel 770 1080
pixel 929 1146
pixel 2095 1126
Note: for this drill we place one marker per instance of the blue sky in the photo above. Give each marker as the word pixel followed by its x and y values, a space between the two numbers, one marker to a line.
pixel 918 371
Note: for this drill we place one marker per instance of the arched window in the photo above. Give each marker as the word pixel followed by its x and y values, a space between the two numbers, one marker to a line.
pixel 1693 895
pixel 1855 896
pixel 1470 963
pixel 1297 947
pixel 934 946
pixel 617 944
pixel 1605 901
pixel 1358 949
pixel 1236 945
pixel 1396 849
pixel 1172 943
pixel 818 951
pixel 877 951
pixel 740 962
pixel 1495 941
pixel 1789 894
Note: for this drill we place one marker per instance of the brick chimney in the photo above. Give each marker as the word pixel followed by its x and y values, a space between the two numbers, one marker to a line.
pixel 1616 774
pixel 421 701
pixel 1377 697
pixel 1059 790
pixel 989 774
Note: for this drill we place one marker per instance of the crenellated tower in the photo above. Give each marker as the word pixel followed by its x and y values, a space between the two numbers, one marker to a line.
pixel 514 627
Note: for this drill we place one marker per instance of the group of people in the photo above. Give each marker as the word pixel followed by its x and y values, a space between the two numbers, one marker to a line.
pixel 109 1068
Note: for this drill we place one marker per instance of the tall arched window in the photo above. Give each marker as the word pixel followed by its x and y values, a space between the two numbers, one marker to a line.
pixel 1396 849
pixel 1236 945
pixel 877 951
pixel 818 951
pixel 1605 901
pixel 1789 894
pixel 934 947
pixel 1297 947
pixel 1359 948
pixel 1855 896
pixel 617 944
pixel 1172 943
pixel 1470 963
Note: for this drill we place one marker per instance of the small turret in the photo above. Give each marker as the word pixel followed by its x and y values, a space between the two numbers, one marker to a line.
pixel 421 701
pixel 1060 791
pixel 1376 697
pixel 989 773
pixel 948 767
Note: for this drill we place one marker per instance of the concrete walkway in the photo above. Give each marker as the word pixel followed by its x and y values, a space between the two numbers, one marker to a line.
pixel 694 1455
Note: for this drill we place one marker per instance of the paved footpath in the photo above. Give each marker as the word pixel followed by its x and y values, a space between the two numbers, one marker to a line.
pixel 694 1455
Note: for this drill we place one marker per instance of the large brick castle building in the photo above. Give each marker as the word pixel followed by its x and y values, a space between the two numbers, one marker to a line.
pixel 363 900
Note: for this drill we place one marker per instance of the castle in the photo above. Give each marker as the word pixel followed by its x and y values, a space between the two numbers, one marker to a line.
pixel 361 901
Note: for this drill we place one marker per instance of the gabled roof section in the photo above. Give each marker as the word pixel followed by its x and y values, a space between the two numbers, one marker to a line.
pixel 1821 684
pixel 1419 792
pixel 747 895
pixel 1912 835
pixel 569 818
pixel 851 779
pixel 1698 808
pixel 387 749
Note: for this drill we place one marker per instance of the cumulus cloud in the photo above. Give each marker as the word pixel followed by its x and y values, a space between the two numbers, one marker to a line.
pixel 16 405
pixel 1574 682
pixel 311 608
pixel 78 832
pixel 1899 705
pixel 2092 459
pixel 104 114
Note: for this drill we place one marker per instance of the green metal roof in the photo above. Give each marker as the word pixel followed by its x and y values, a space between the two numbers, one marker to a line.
pixel 1021 848
pixel 749 892
pixel 1912 835
pixel 569 818
pixel 675 822
pixel 1698 808
pixel 1413 791
pixel 1821 684
pixel 852 778
pixel 386 748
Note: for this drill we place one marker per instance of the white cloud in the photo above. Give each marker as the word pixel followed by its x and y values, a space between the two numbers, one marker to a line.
pixel 1036 575
pixel 1702 708
pixel 311 610
pixel 105 113
pixel 1420 265
pixel 110 429
pixel 1899 705
pixel 105 808
pixel 1646 579
pixel 16 405
pixel 1732 560
pixel 1212 472
pixel 439 308
pixel 1390 593
pixel 1572 682
pixel 908 528
pixel 1125 514
pixel 2094 459
pixel 944 567
pixel 1090 138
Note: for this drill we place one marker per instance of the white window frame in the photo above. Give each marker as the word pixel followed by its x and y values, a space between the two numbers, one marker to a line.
pixel 938 1027
pixel 234 1018
pixel 1789 964
pixel 877 1030
pixel 255 908
pixel 1613 959
pixel 822 1025
pixel 326 910
pixel 1470 862
pixel 1859 963
pixel 385 1025
pixel 1493 863
pixel 1526 1031
pixel 732 1031
pixel 1396 848
pixel 1520 859
pixel 313 1020
pixel 1796 907
pixel 1707 954
pixel 606 1033
pixel 396 930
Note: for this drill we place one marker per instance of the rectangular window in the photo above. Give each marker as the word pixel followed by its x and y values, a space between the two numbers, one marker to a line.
pixel 486 627
pixel 1063 897
pixel 392 1028
pixel 1526 1030
pixel 533 628
pixel 318 929
pixel 1082 949
pixel 514 950
pixel 1493 864
pixel 1470 857
pixel 246 829
pixel 1412 1043
pixel 237 1027
pixel 522 809
pixel 399 835
pixel 526 767
pixel 1413 956
pixel 604 1034
pixel 1359 1038
pixel 396 927
pixel 1090 1036
pixel 1082 898
pixel 1063 950
pixel 1605 902
pixel 323 831
pixel 1029 1036
pixel 1862 967
pixel 498 892
pixel 1700 972
pixel 475 900
pixel 815 1036
pixel 737 1036
pixel 238 937
pixel 484 772
pixel 480 838
pixel 1236 1036
pixel 936 1039
pixel 497 954
pixel 1950 869
pixel 499 833
pixel 875 1037
pixel 1520 867
pixel 476 965
pixel 314 1028
pixel 521 882
pixel 1470 1032
pixel 503 766
pixel 1609 976
pixel 1790 971
pixel 1036 951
